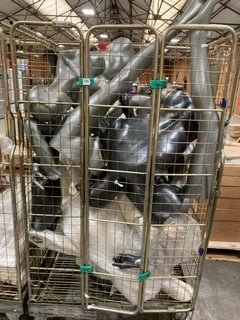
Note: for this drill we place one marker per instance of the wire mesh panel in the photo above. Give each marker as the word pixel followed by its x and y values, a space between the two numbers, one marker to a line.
pixel 187 159
pixel 13 271
pixel 150 204
pixel 111 74
pixel 47 73
pixel 117 193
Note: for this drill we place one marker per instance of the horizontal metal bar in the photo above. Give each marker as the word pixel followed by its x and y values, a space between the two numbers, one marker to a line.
pixel 56 309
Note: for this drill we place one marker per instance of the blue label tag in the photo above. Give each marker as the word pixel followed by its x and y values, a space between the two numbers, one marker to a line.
pixel 201 251
pixel 223 103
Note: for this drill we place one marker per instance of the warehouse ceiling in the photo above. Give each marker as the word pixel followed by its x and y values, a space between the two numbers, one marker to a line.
pixel 85 14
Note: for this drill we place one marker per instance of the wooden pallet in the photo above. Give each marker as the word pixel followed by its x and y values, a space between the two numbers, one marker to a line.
pixel 232 150
pixel 223 245
pixel 234 130
pixel 224 251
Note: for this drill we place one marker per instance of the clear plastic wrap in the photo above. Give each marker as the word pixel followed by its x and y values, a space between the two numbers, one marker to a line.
pixel 8 236
pixel 113 232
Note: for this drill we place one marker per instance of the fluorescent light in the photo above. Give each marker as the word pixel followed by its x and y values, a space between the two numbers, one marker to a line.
pixel 88 12
pixel 57 10
pixel 103 36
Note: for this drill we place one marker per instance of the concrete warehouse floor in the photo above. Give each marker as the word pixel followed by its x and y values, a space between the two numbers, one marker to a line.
pixel 218 297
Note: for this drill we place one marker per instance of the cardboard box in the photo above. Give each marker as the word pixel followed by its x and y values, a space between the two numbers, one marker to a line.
pixel 226 225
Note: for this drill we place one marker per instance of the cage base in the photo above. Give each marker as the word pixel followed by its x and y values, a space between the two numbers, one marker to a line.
pixel 54 310
pixel 10 306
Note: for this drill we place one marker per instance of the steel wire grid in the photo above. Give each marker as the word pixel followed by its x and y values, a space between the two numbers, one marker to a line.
pixel 111 216
pixel 13 271
pixel 201 73
pixel 150 207
pixel 46 81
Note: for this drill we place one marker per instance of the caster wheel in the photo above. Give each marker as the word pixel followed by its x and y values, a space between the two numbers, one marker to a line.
pixel 181 316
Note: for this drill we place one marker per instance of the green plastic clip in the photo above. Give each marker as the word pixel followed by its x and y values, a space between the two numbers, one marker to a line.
pixel 144 275
pixel 86 268
pixel 158 84
pixel 86 82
